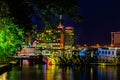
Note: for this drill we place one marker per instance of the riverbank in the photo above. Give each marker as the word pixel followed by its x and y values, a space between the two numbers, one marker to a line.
pixel 7 66
pixel 4 68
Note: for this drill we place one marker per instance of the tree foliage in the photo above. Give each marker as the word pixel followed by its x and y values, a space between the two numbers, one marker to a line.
pixel 4 9
pixel 57 7
pixel 10 37
pixel 23 10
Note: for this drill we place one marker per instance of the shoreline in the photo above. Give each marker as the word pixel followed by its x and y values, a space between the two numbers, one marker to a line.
pixel 4 68
pixel 7 67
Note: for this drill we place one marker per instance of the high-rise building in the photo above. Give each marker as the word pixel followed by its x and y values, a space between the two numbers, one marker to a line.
pixel 115 39
pixel 69 37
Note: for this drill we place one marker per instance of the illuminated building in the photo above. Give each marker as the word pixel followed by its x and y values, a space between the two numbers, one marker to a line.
pixel 56 40
pixel 69 37
pixel 115 39
pixel 60 36
pixel 51 39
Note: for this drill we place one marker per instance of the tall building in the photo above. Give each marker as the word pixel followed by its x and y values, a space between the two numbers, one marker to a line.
pixel 115 39
pixel 61 36
pixel 69 37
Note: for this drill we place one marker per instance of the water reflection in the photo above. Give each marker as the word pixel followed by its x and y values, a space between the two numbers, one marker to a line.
pixel 107 72
pixel 3 76
pixel 52 72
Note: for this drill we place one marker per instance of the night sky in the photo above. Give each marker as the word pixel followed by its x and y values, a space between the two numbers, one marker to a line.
pixel 100 18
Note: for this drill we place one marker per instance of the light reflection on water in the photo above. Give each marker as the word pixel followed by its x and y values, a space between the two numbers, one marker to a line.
pixel 107 72
pixel 3 76
pixel 52 72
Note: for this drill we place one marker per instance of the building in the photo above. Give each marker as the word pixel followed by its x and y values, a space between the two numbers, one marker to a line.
pixel 51 40
pixel 115 39
pixel 56 40
pixel 69 37
pixel 109 55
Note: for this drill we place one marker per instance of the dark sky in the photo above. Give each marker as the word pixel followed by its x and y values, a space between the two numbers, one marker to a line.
pixel 100 18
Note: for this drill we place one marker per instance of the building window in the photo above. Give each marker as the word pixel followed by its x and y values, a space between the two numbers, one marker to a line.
pixel 99 52
pixel 102 52
pixel 109 52
pixel 112 52
pixel 105 52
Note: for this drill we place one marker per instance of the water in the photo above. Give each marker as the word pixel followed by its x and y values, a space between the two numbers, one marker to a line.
pixel 52 72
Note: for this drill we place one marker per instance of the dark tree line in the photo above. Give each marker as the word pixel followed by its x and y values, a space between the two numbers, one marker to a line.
pixel 22 10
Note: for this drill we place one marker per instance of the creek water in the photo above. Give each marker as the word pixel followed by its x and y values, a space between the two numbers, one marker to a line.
pixel 55 72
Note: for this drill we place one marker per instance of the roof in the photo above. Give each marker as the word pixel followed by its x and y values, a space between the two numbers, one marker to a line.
pixel 68 28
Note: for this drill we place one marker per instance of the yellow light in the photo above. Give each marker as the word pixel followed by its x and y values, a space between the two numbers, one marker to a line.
pixel 103 64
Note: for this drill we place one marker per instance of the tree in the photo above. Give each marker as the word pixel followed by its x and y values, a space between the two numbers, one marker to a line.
pixel 4 9
pixel 11 37
pixel 23 10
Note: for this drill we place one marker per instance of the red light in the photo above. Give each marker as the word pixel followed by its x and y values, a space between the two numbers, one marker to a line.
pixel 28 61
pixel 50 63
